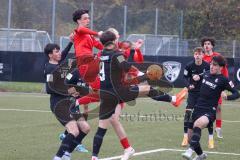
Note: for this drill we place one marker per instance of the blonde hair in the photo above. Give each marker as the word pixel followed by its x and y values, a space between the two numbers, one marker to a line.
pixel 113 30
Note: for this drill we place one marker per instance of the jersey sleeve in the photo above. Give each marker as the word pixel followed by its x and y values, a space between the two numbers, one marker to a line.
pixel 230 87
pixel 186 75
pixel 122 63
pixel 84 30
pixel 66 51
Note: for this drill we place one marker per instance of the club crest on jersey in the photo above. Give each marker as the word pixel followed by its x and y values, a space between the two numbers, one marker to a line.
pixel 173 69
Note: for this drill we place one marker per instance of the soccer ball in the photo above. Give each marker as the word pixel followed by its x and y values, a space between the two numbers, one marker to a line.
pixel 154 72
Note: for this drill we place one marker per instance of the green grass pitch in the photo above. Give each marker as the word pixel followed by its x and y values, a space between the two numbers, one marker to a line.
pixel 28 131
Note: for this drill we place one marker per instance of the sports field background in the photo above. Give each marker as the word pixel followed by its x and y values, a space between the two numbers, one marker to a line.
pixel 29 131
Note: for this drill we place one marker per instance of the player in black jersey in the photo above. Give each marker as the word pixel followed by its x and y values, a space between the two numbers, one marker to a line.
pixel 204 113
pixel 112 89
pixel 193 74
pixel 74 136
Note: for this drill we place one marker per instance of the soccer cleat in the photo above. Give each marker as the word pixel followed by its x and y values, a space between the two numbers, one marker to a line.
pixel 201 157
pixel 188 154
pixel 128 153
pixel 81 148
pixel 61 136
pixel 57 158
pixel 180 97
pixel 185 141
pixel 210 143
pixel 219 132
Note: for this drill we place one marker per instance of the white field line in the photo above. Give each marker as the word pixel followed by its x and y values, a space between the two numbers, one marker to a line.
pixel 168 149
pixel 46 111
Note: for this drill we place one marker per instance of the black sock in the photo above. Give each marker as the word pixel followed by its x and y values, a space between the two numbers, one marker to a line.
pixel 97 141
pixel 66 143
pixel 153 92
pixel 210 129
pixel 186 120
pixel 65 132
pixel 164 98
pixel 77 141
pixel 194 143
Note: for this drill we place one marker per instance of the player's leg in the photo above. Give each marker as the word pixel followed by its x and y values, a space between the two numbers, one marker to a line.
pixel 119 130
pixel 107 108
pixel 68 143
pixel 210 136
pixel 187 116
pixel 219 121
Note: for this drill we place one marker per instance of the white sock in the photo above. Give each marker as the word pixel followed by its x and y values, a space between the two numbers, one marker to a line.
pixel 210 136
pixel 174 98
pixel 94 158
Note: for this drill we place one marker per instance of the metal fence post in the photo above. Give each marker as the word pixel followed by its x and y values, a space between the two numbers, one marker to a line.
pixel 53 19
pixel 91 16
pixel 125 22
pixel 9 21
pixel 156 22
pixel 181 25
pixel 234 48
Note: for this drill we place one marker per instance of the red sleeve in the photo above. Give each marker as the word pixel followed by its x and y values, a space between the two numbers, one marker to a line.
pixel 138 57
pixel 225 71
pixel 97 44
pixel 84 30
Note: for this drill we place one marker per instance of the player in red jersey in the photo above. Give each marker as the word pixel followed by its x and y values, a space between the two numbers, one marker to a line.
pixel 84 42
pixel 208 45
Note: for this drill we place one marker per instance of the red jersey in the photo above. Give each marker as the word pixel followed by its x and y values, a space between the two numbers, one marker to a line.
pixel 208 59
pixel 84 41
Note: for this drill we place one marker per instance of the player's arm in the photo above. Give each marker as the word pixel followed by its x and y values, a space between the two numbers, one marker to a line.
pixel 66 51
pixel 97 44
pixel 186 76
pixel 85 30
pixel 230 87
pixel 123 64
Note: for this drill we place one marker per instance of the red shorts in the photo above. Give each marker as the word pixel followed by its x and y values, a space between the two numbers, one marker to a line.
pixel 90 98
pixel 88 67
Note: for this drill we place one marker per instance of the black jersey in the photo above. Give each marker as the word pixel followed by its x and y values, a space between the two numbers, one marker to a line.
pixel 49 68
pixel 192 69
pixel 112 67
pixel 211 89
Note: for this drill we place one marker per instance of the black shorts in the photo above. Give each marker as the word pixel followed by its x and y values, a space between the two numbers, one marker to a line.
pixel 192 99
pixel 199 112
pixel 110 98
pixel 64 111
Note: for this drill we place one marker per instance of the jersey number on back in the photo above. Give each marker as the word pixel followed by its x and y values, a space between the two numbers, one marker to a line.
pixel 102 73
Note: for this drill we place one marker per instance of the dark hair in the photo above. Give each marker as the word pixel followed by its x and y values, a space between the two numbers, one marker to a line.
pixel 198 49
pixel 123 42
pixel 107 37
pixel 220 60
pixel 50 47
pixel 204 39
pixel 78 14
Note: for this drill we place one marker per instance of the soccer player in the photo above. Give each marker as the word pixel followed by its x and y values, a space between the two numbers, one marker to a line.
pixel 84 42
pixel 193 74
pixel 208 45
pixel 213 84
pixel 52 51
pixel 112 91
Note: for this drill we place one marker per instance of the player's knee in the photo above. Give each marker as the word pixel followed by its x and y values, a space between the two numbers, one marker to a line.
pixel 72 128
pixel 187 116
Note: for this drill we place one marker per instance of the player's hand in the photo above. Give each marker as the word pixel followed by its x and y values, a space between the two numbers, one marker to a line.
pixel 196 77
pixel 72 91
pixel 191 87
pixel 100 33
pixel 224 95
pixel 71 36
